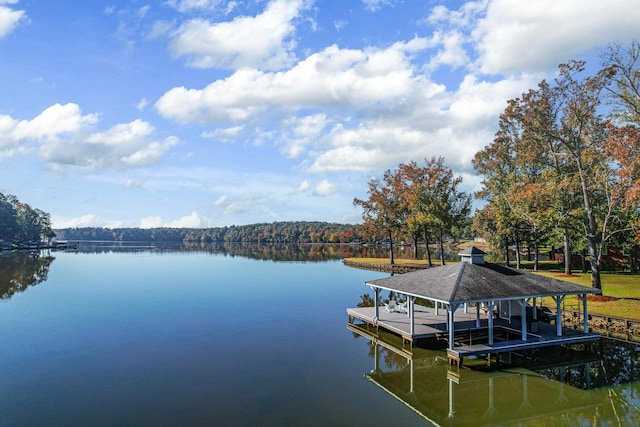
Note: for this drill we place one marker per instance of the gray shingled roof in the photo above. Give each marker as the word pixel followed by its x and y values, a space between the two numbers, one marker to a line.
pixel 464 282
pixel 472 250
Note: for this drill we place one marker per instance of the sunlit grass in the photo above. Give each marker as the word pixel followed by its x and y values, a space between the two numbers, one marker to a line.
pixel 617 285
pixel 626 287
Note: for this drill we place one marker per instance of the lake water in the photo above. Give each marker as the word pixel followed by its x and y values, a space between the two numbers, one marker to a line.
pixel 166 337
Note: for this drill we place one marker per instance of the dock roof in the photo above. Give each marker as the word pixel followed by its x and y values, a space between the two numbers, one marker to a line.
pixel 464 282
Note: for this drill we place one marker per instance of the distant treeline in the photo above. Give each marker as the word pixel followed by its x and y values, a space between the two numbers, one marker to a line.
pixel 289 232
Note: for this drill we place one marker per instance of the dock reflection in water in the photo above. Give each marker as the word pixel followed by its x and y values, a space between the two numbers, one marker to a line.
pixel 447 396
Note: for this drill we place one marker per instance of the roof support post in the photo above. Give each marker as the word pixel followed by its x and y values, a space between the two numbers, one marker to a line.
pixel 451 308
pixel 585 315
pixel 534 314
pixel 437 304
pixel 491 305
pixel 409 305
pixel 523 316
pixel 377 302
pixel 558 300
pixel 412 316
pixel 478 305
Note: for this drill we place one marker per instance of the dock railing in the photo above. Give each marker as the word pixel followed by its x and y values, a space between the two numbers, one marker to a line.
pixel 610 326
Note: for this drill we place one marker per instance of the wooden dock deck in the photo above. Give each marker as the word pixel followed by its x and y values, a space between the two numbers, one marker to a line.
pixel 426 325
pixel 470 340
pixel 544 339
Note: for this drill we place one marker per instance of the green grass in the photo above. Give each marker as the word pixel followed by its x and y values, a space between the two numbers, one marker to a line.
pixel 619 285
pixel 624 287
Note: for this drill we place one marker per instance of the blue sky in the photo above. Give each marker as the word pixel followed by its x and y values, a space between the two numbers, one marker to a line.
pixel 201 113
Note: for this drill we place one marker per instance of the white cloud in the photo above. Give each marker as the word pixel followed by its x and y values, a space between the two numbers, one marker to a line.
pixel 54 123
pixel 10 18
pixel 304 186
pixel 369 109
pixel 133 183
pixel 65 137
pixel 517 36
pixel 340 24
pixel 193 220
pixel 142 12
pixel 264 41
pixel 452 52
pixel 300 132
pixel 225 135
pixel 324 188
pixel 142 104
pixel 191 5
pixel 89 220
pixel 246 203
pixel 124 145
pixel 375 5
pixel 189 221
pixel 151 222
pixel 375 81
pixel 160 29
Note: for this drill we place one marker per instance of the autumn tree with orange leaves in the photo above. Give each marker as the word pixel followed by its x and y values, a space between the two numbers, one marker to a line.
pixel 384 212
pixel 415 199
pixel 557 163
pixel 623 143
pixel 434 205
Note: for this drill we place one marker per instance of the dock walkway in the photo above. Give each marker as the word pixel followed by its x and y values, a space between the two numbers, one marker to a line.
pixel 427 323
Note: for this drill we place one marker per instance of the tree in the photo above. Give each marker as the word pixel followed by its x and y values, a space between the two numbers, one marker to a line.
pixel 384 211
pixel 623 144
pixel 623 147
pixel 497 164
pixel 624 90
pixel 550 150
pixel 581 132
pixel 8 224
pixel 20 223
pixel 546 186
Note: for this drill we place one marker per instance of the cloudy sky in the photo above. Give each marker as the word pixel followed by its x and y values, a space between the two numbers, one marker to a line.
pixel 204 113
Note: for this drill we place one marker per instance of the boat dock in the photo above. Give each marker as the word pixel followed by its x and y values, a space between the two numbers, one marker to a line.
pixel 471 334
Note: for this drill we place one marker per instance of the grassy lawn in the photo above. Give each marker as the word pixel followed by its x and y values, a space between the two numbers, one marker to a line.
pixel 624 288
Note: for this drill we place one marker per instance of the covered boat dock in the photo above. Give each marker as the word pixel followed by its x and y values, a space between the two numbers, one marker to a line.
pixel 479 308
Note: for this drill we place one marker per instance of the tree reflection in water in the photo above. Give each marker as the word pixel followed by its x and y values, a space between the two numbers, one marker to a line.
pixel 286 252
pixel 20 270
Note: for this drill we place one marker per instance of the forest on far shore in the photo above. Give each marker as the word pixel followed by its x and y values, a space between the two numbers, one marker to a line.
pixel 282 232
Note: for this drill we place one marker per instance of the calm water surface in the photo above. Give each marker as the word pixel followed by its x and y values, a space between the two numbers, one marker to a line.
pixel 153 337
